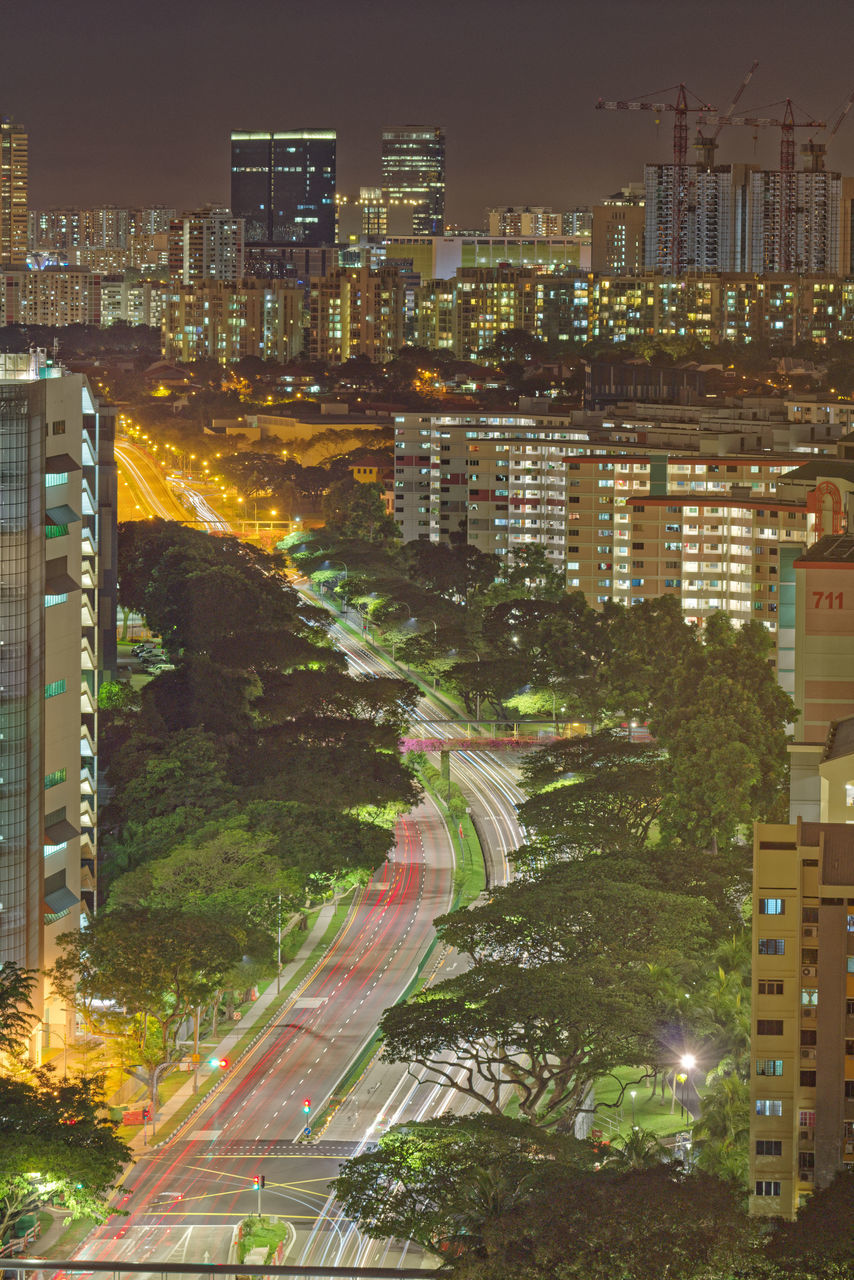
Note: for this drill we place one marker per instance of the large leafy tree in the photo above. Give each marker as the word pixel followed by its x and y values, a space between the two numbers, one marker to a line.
pixel 56 1145
pixel 722 722
pixel 154 965
pixel 560 991
pixel 592 794
pixel 498 1201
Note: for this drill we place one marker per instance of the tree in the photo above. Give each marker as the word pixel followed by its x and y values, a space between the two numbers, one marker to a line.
pixel 497 1201
pixel 438 1182
pixel 559 992
pixel 723 723
pixel 56 1145
pixel 638 1149
pixel 16 1013
pixel 353 510
pixel 591 794
pixel 156 966
pixel 722 1130
pixel 820 1242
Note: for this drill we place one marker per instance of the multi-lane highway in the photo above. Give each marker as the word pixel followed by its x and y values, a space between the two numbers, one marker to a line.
pixel 186 1198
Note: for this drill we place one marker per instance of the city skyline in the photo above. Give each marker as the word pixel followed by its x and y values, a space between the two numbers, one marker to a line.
pixel 519 117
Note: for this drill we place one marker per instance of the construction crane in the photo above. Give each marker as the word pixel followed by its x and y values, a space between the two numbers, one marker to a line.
pixel 680 108
pixel 814 151
pixel 786 123
pixel 706 144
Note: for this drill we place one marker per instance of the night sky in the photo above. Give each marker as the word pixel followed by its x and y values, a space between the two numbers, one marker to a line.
pixel 132 101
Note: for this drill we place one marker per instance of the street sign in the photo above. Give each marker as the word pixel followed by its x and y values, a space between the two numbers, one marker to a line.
pixel 306 1133
pixel 195 1057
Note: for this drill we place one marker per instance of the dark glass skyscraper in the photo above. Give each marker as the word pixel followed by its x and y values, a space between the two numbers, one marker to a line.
pixel 413 168
pixel 283 186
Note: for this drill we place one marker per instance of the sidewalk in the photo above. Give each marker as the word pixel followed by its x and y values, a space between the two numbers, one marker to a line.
pixel 252 1018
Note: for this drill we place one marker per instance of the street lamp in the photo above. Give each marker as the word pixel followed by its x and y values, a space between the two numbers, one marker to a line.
pixel 633 1093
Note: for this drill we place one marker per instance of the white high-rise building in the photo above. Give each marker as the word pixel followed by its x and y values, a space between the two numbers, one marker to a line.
pixel 57 634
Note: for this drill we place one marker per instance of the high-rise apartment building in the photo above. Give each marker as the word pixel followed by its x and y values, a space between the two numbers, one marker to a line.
pixel 14 174
pixel 57 632
pixel 413 174
pixel 802 1034
pixel 206 244
pixel 356 311
pixel 618 226
pixel 524 220
pixel 283 186
pixel 213 320
pixel 740 218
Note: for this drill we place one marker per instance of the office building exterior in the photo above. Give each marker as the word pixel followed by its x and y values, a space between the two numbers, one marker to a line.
pixel 57 627
pixel 283 186
pixel 413 175
pixel 524 220
pixel 14 178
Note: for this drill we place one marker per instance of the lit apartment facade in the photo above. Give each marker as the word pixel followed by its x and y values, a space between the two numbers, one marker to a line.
pixel 57 626
pixel 206 244
pixel 14 179
pixel 54 296
pixel 356 311
pixel 624 520
pixel 212 320
pixel 802 1043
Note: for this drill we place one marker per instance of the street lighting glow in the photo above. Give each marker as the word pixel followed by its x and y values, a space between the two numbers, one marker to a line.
pixel 688 1061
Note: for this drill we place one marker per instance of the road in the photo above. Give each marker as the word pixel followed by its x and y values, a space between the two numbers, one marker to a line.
pixel 185 1199
pixel 144 491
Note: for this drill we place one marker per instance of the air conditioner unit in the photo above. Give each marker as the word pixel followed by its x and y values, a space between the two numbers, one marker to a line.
pixel 808 971
pixel 808 1053
pixel 805 1135
pixel 810 931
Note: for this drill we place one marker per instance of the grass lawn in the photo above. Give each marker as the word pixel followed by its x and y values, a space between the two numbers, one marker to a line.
pixel 260 1233
pixel 649 1113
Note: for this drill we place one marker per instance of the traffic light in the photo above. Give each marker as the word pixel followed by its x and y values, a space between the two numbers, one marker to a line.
pixel 306 1105
pixel 222 1063
pixel 146 1113
pixel 259 1181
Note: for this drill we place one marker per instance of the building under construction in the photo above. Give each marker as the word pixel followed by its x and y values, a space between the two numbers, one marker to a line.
pixel 703 216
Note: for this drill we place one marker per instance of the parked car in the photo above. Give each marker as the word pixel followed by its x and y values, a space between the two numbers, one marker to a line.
pixel 156 667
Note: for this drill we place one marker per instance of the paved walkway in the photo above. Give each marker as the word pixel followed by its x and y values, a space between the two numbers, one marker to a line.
pixel 253 1017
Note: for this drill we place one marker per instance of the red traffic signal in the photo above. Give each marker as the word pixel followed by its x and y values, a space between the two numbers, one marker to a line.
pixel 259 1181
pixel 223 1063
pixel 306 1105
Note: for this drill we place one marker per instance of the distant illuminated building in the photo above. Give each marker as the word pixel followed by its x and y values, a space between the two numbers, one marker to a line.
pixel 206 245
pixel 374 211
pixel 413 173
pixel 283 186
pixel 14 168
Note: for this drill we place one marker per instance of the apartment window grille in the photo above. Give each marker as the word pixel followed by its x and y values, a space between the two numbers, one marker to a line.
pixel 772 906
pixel 770 1106
pixel 769 1147
pixel 54 688
pixel 769 1026
pixel 54 779
pixel 764 1187
pixel 772 946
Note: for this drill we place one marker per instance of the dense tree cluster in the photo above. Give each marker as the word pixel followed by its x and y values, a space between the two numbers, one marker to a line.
pixel 244 784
